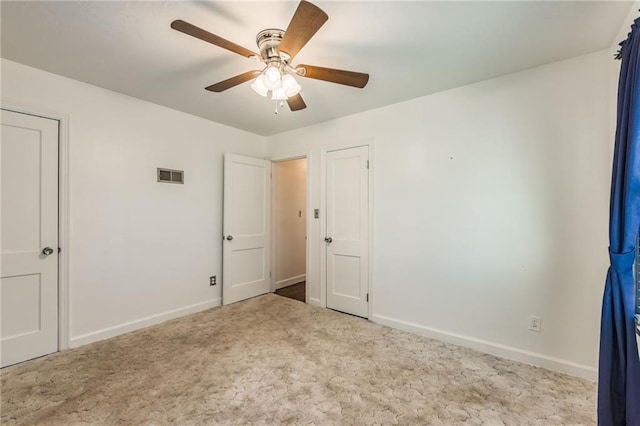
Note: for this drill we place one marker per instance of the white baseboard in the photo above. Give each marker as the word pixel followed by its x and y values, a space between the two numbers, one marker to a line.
pixel 502 351
pixel 290 281
pixel 117 330
pixel 313 302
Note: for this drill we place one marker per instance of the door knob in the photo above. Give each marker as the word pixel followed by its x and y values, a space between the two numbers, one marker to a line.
pixel 47 251
pixel 229 237
pixel 328 240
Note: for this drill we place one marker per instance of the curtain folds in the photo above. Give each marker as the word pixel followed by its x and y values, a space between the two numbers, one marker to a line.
pixel 619 366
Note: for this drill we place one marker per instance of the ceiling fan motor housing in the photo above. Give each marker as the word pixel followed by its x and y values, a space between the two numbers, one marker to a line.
pixel 268 41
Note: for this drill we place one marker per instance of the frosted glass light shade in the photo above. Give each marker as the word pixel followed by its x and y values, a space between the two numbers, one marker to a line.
pixel 259 87
pixel 290 85
pixel 272 78
pixel 278 95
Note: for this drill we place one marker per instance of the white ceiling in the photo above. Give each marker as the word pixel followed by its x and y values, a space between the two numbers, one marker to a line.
pixel 410 49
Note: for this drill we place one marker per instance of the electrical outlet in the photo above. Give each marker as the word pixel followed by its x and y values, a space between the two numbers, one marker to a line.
pixel 212 280
pixel 535 323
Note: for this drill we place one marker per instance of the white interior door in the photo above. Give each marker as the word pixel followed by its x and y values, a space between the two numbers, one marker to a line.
pixel 29 260
pixel 347 230
pixel 247 205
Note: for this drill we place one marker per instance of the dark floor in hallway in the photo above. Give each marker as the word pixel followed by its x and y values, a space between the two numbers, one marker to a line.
pixel 295 291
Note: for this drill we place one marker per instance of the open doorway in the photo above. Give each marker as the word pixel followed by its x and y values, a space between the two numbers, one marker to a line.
pixel 289 225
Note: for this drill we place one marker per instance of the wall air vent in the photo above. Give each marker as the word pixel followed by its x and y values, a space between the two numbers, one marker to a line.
pixel 170 176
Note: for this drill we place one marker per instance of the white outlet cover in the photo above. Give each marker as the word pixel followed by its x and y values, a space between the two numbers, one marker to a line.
pixel 535 323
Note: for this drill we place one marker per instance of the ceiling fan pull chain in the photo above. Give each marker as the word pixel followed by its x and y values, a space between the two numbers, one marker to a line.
pixel 276 111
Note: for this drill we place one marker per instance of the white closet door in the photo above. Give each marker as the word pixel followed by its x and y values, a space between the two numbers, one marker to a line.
pixel 29 260
pixel 347 230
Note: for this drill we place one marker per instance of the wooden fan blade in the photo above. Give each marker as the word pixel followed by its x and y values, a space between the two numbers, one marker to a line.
pixel 348 78
pixel 193 31
pixel 305 23
pixel 232 82
pixel 296 103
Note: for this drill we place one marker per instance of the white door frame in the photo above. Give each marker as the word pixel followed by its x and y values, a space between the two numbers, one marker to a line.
pixel 306 156
pixel 63 210
pixel 369 142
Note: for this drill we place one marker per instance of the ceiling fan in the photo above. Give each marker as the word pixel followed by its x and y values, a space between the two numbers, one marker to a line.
pixel 277 50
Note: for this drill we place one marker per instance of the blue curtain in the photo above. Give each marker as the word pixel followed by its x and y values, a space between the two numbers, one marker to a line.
pixel 619 367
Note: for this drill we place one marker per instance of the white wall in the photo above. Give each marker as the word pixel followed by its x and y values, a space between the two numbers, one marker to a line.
pixel 490 205
pixel 289 216
pixel 140 251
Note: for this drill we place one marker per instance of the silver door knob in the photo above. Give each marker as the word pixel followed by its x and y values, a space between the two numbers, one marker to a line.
pixel 47 251
pixel 328 240
pixel 229 237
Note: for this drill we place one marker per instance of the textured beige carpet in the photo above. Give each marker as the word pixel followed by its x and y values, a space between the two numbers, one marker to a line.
pixel 272 360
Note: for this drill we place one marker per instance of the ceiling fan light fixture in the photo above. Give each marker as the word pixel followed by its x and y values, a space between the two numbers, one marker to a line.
pixel 259 87
pixel 278 95
pixel 272 77
pixel 290 85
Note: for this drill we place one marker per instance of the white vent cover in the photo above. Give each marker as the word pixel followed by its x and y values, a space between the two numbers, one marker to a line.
pixel 170 176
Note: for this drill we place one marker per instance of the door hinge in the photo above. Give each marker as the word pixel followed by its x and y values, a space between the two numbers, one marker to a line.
pixel 59 249
pixel 367 164
pixel 367 297
pixel 269 274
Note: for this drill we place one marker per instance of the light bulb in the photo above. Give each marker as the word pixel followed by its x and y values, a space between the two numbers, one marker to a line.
pixel 272 77
pixel 290 85
pixel 259 87
pixel 278 95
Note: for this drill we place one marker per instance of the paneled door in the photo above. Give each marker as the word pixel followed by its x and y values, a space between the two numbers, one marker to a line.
pixel 29 241
pixel 347 230
pixel 246 228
